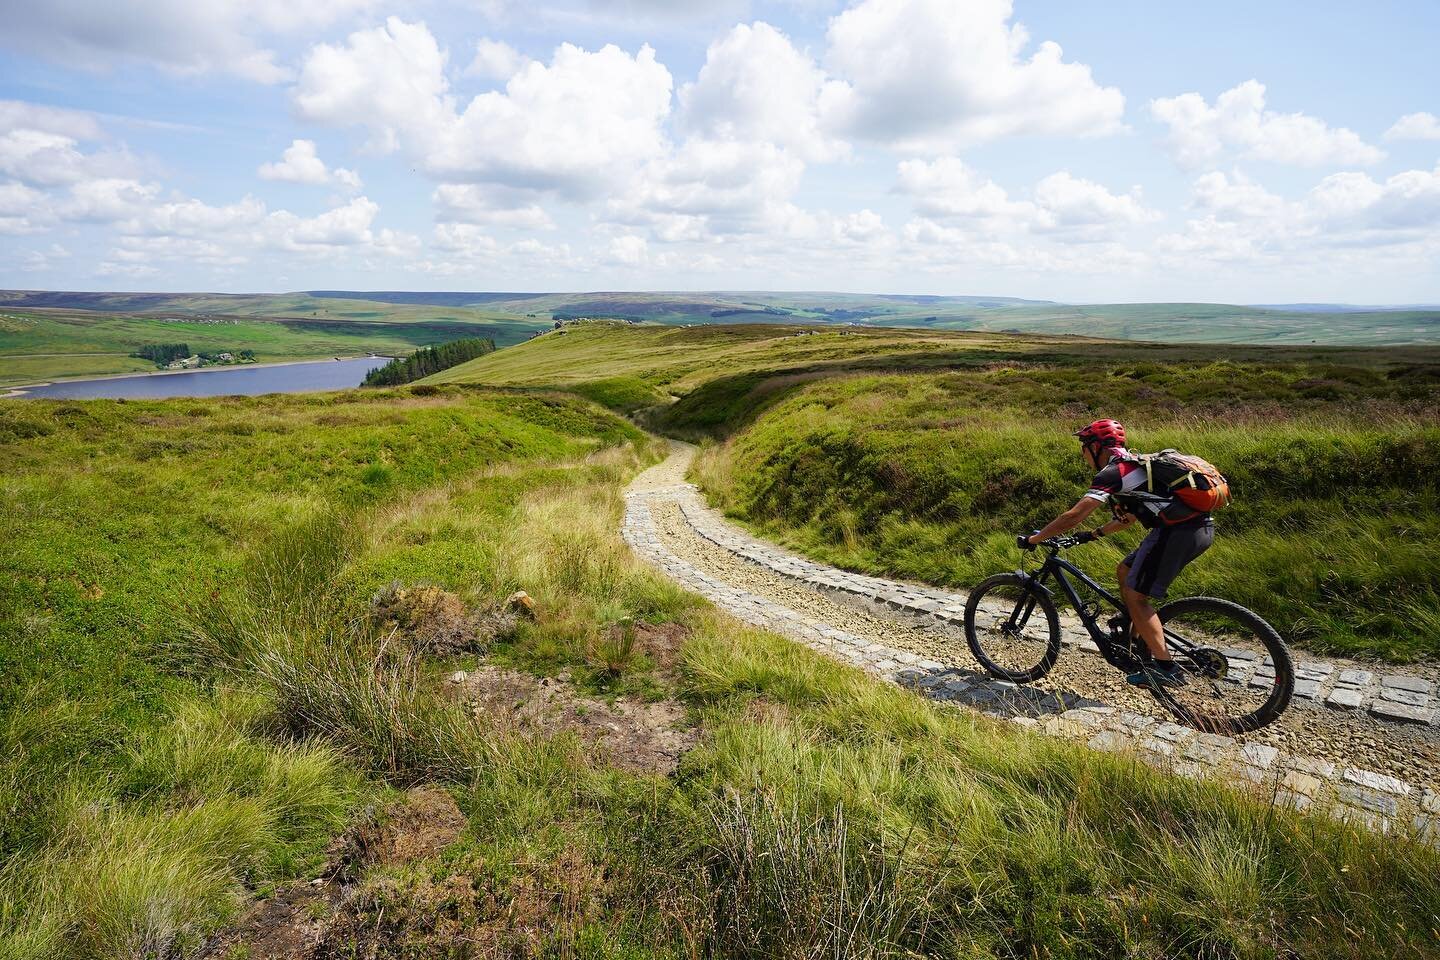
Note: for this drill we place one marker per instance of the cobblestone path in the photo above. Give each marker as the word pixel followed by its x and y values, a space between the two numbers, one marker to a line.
pixel 1340 753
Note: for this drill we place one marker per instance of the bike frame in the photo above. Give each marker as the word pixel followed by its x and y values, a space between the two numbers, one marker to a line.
pixel 1058 567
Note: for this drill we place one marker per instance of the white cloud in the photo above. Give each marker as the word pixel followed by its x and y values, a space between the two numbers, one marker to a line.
pixel 343 226
pixel 39 261
pixel 1415 126
pixel 390 80
pixel 937 75
pixel 1071 202
pixel 1200 133
pixel 1241 221
pixel 1234 197
pixel 41 146
pixel 948 190
pixel 708 189
pixel 483 204
pixel 300 163
pixel 107 199
pixel 496 60
pixel 22 209
pixel 756 86
pixel 628 250
pixel 40 158
pixel 579 126
pixel 865 226
pixel 75 124
pixel 188 36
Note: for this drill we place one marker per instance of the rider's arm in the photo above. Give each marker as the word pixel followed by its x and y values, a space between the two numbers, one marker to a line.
pixel 1121 521
pixel 1068 520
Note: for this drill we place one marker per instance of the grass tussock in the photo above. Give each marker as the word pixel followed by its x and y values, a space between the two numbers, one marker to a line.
pixel 930 476
pixel 823 814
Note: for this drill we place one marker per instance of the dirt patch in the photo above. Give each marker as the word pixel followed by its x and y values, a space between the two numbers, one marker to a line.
pixel 424 823
pixel 661 643
pixel 630 734
pixel 301 918
pixel 432 621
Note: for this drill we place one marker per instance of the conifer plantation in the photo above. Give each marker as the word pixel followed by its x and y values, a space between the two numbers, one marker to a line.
pixel 428 360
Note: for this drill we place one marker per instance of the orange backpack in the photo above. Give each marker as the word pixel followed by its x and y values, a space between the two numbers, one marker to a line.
pixel 1189 479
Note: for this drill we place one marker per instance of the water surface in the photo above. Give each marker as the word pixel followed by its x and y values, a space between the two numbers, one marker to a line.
pixel 219 381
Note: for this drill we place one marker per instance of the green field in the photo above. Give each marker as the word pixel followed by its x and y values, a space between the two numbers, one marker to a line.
pixel 921 454
pixel 43 343
pixel 57 334
pixel 197 698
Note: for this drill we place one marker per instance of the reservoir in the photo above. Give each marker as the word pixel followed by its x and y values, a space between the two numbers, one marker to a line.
pixel 217 381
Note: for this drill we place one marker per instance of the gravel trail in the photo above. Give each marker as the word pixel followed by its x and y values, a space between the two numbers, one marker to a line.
pixel 1411 753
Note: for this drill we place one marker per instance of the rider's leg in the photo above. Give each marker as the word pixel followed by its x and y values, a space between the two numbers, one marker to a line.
pixel 1142 614
pixel 1144 620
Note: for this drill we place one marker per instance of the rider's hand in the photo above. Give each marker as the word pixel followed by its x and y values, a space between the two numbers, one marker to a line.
pixel 1023 541
pixel 1086 536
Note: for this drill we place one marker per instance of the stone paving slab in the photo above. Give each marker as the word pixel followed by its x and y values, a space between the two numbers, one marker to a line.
pixel 1376 800
pixel 1394 698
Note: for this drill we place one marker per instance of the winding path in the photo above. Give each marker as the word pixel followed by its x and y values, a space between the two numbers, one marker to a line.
pixel 1346 757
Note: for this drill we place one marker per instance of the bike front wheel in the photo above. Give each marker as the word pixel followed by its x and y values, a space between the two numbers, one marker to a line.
pixel 1012 628
pixel 1237 672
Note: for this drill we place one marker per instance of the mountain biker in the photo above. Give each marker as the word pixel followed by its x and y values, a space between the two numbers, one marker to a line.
pixel 1146 573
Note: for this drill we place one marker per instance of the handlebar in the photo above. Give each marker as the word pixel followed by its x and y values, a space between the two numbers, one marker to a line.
pixel 1054 544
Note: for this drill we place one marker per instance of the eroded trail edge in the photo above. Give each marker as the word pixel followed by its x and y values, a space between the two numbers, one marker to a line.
pixel 907 635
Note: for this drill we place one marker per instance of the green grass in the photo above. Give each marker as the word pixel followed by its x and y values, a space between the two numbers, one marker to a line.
pixel 920 454
pixel 142 785
pixel 49 343
pixel 930 477
pixel 202 702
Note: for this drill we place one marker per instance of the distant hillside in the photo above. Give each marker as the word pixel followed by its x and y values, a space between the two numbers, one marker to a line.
pixel 437 299
pixel 514 316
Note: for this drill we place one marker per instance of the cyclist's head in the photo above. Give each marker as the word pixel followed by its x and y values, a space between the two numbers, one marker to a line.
pixel 1100 436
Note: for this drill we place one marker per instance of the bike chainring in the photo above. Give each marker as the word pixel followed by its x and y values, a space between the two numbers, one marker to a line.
pixel 1209 662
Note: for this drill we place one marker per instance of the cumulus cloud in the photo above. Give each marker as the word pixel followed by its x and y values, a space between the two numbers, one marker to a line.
pixel 948 190
pixel 713 189
pixel 42 146
pixel 301 163
pixel 1240 221
pixel 492 205
pixel 22 209
pixel 1415 126
pixel 755 85
pixel 389 80
pixel 1200 133
pixel 936 75
pixel 189 36
pixel 577 126
pixel 75 124
pixel 496 60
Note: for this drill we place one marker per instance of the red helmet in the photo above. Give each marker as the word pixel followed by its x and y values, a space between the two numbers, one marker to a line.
pixel 1103 433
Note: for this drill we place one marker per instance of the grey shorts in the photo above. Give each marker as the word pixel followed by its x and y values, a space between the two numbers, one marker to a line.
pixel 1163 554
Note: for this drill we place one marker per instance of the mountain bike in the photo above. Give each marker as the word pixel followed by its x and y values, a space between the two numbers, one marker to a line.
pixel 1013 628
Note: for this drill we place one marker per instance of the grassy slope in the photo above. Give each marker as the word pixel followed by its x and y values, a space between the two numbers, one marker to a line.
pixel 929 474
pixel 825 814
pixel 65 342
pixel 135 794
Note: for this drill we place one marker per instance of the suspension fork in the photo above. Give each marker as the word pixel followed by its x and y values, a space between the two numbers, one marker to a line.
pixel 1026 606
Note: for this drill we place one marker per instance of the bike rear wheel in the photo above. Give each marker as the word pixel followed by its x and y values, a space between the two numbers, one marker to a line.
pixel 1238 673
pixel 1012 628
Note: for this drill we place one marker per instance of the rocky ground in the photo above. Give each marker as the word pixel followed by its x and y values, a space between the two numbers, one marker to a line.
pixel 1351 747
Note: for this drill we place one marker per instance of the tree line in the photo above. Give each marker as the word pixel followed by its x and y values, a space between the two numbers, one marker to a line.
pixel 162 353
pixel 428 360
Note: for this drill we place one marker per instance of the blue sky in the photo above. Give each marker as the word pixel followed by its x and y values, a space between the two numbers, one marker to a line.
pixel 1231 152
